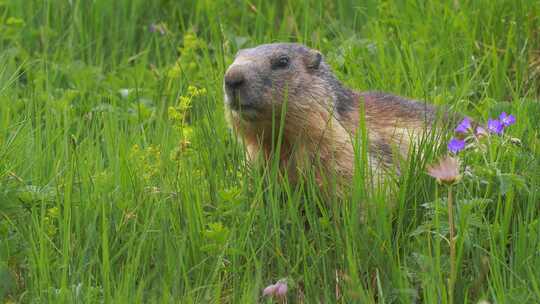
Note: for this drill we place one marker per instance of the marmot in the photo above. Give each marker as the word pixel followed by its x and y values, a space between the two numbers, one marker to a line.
pixel 321 115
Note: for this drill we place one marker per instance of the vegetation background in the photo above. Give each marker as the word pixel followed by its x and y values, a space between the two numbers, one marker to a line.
pixel 121 183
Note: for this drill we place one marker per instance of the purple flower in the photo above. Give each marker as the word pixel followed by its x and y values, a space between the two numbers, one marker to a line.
pixel 455 145
pixel 446 171
pixel 281 289
pixel 495 126
pixel 481 132
pixel 506 119
pixel 158 27
pixel 270 290
pixel 276 290
pixel 464 126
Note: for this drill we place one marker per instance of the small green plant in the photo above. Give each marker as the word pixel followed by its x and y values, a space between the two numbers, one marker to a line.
pixel 484 142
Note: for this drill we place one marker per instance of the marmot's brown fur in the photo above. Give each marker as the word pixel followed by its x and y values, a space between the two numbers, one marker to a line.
pixel 321 115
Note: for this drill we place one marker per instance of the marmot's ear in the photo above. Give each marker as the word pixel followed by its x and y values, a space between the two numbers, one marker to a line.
pixel 314 59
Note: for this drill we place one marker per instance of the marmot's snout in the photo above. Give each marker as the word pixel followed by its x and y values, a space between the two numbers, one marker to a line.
pixel 237 88
pixel 234 78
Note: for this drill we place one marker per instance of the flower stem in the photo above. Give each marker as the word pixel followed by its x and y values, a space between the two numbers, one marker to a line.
pixel 452 279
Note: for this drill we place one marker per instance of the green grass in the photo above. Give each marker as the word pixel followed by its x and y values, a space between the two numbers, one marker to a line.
pixel 146 198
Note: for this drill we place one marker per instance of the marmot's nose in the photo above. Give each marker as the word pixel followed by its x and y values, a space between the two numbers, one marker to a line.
pixel 234 78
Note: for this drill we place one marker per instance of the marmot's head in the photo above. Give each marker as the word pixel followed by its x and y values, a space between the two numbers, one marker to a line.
pixel 262 78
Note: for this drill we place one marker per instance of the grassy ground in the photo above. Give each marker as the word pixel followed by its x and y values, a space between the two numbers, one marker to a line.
pixel 120 182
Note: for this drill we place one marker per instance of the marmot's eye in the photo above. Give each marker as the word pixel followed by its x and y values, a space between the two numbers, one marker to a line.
pixel 281 62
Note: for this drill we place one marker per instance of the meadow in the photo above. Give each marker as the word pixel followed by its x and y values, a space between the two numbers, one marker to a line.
pixel 120 181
